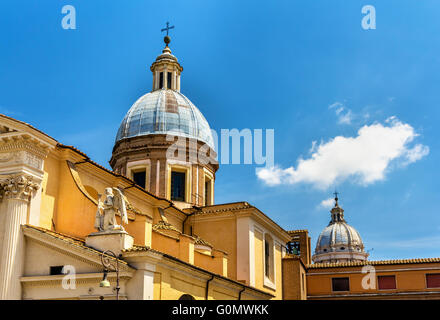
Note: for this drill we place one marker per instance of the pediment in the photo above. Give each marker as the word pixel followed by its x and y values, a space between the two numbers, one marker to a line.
pixel 12 130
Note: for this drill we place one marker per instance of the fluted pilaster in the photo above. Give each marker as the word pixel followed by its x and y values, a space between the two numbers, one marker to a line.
pixel 16 191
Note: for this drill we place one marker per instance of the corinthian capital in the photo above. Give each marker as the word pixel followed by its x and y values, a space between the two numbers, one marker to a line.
pixel 18 187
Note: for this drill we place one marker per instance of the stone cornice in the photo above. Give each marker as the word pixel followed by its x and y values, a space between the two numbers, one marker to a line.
pixel 82 278
pixel 23 141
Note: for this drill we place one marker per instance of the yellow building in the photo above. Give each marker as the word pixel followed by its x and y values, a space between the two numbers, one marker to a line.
pixel 177 244
pixel 342 271
pixel 60 213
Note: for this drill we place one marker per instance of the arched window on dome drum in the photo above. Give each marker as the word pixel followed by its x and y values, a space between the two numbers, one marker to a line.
pixel 139 177
pixel 178 180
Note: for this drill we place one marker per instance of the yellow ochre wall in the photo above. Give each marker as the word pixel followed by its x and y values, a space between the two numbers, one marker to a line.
pixel 49 191
pixel 222 234
pixel 294 279
pixel 65 209
pixel 169 285
pixel 259 259
pixel 278 274
pixel 409 278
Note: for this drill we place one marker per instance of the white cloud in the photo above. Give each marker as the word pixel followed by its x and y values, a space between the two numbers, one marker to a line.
pixel 416 153
pixel 363 159
pixel 327 203
pixel 345 116
pixel 313 148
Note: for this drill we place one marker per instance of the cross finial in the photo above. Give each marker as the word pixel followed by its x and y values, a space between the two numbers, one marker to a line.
pixel 336 194
pixel 167 28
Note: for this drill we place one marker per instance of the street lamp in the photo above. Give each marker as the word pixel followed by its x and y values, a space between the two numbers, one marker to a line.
pixel 110 262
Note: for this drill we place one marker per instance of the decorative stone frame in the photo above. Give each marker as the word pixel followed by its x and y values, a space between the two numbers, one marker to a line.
pixel 269 281
pixel 208 175
pixel 137 166
pixel 180 168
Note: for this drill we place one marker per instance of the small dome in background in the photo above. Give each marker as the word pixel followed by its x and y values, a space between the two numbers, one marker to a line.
pixel 339 242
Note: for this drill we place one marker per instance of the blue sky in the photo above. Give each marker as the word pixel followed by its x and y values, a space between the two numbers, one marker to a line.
pixel 251 64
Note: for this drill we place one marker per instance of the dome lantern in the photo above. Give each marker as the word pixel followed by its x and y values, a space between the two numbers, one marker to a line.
pixel 166 69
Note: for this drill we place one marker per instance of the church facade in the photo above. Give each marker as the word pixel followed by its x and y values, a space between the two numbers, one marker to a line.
pixel 150 229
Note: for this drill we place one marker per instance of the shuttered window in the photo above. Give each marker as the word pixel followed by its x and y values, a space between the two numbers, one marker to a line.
pixel 340 284
pixel 386 282
pixel 433 280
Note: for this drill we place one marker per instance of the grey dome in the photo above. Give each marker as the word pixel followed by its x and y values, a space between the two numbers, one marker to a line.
pixel 339 242
pixel 339 235
pixel 165 111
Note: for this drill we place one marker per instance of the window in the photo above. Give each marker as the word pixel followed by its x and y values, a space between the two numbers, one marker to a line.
pixel 433 280
pixel 208 191
pixel 267 258
pixel 139 172
pixel 178 185
pixel 186 297
pixel 169 80
pixel 269 267
pixel 340 284
pixel 139 177
pixel 386 282
pixel 293 247
pixel 161 80
pixel 54 270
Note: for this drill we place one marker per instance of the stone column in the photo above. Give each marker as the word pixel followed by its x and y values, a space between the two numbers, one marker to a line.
pixel 165 78
pixel 17 192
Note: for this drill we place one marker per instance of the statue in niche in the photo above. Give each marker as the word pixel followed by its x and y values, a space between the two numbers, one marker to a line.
pixel 105 219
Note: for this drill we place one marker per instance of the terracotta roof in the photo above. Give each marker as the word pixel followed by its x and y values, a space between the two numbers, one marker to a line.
pixel 229 207
pixel 162 225
pixel 372 263
pixel 297 231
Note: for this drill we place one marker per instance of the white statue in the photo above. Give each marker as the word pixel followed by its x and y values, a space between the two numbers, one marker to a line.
pixel 105 219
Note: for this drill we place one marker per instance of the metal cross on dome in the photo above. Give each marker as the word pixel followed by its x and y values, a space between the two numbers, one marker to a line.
pixel 167 28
